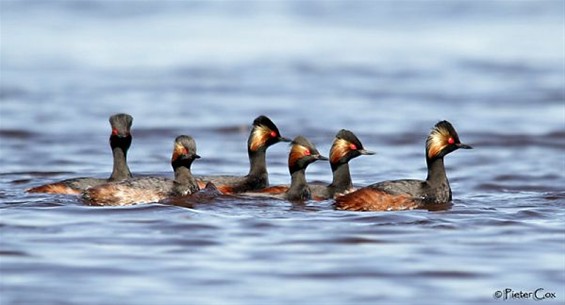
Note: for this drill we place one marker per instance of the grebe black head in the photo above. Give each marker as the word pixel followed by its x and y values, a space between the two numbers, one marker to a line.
pixel 121 130
pixel 184 152
pixel 442 140
pixel 345 147
pixel 302 153
pixel 264 134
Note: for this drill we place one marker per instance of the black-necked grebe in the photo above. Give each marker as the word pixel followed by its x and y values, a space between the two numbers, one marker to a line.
pixel 302 153
pixel 411 194
pixel 264 133
pixel 345 147
pixel 151 189
pixel 120 141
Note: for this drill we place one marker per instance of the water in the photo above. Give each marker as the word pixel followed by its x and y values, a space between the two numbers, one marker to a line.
pixel 387 72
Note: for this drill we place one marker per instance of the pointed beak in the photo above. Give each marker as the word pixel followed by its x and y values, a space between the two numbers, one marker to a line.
pixel 320 157
pixel 283 139
pixel 366 152
pixel 464 146
pixel 196 156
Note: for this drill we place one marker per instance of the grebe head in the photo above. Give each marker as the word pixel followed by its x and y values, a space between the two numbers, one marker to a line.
pixel 302 153
pixel 121 130
pixel 184 151
pixel 346 146
pixel 264 134
pixel 121 124
pixel 442 140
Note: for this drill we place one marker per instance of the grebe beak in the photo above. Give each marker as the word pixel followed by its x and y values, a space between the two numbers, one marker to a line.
pixel 196 156
pixel 366 152
pixel 283 139
pixel 464 146
pixel 320 157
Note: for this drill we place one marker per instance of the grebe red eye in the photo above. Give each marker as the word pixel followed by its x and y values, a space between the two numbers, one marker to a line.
pixel 352 146
pixel 273 134
pixel 115 131
pixel 451 141
pixel 185 151
pixel 307 152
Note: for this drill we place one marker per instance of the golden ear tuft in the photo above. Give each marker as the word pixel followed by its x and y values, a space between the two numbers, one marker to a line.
pixel 259 137
pixel 296 153
pixel 438 139
pixel 339 149
pixel 178 151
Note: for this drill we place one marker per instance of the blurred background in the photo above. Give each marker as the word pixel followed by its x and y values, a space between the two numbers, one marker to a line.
pixel 387 70
pixel 379 68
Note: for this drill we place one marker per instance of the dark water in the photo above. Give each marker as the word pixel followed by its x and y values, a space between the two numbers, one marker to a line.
pixel 388 72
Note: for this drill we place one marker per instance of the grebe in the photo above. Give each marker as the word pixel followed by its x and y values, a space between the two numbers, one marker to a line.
pixel 302 153
pixel 264 133
pixel 345 147
pixel 411 194
pixel 151 189
pixel 120 141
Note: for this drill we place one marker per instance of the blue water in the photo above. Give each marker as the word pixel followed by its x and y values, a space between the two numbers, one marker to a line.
pixel 388 71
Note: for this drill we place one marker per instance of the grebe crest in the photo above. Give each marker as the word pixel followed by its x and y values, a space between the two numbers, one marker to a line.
pixel 302 153
pixel 442 140
pixel 121 124
pixel 184 148
pixel 264 133
pixel 345 146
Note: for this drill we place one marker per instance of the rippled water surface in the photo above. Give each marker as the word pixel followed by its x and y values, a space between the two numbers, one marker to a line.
pixel 387 72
